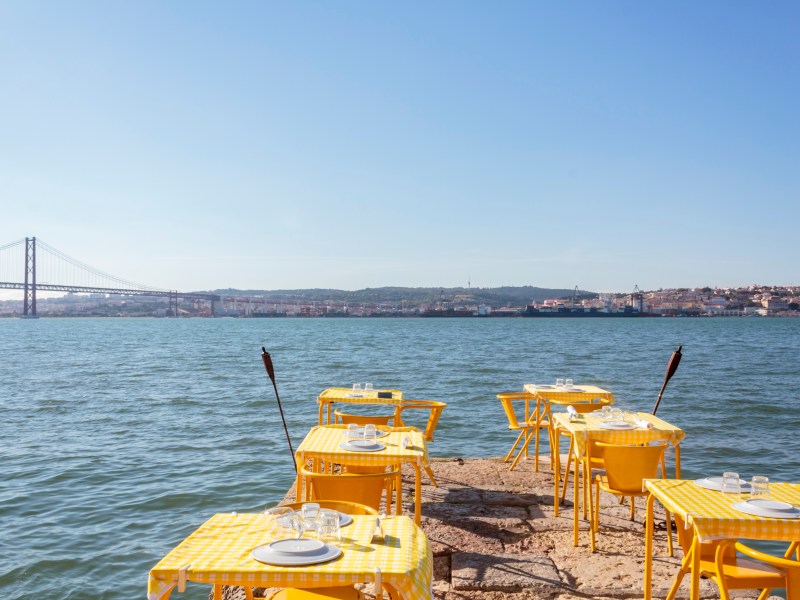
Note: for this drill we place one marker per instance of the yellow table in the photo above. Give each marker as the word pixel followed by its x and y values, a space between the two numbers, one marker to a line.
pixel 713 518
pixel 345 395
pixel 561 396
pixel 587 426
pixel 219 553
pixel 322 444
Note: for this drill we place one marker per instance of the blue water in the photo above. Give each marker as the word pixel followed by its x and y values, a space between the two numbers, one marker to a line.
pixel 120 436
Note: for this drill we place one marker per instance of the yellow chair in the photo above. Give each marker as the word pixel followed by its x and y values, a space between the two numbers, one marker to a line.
pixel 348 508
pixel 347 418
pixel 434 409
pixel 555 438
pixel 362 488
pixel 720 563
pixel 532 424
pixel 625 469
pixel 325 593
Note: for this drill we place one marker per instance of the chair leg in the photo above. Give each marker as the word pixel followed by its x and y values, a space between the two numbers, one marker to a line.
pixel 669 533
pixel 592 513
pixel 429 471
pixel 514 447
pixel 528 437
pixel 633 506
pixel 566 472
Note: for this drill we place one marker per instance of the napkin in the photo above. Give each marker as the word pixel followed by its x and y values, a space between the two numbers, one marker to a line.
pixel 642 424
pixel 573 414
pixel 407 442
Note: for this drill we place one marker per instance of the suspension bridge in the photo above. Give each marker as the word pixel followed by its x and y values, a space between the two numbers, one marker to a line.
pixel 31 265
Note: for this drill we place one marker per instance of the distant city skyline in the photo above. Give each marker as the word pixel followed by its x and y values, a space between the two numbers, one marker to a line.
pixel 197 146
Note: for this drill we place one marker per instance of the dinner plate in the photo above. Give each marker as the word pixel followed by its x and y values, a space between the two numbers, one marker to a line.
pixel 360 446
pixel 378 432
pixel 617 425
pixel 344 521
pixel 311 555
pixel 773 509
pixel 715 483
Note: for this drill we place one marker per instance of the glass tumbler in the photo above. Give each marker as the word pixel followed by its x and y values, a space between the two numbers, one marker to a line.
pixel 352 433
pixel 370 433
pixel 559 382
pixel 328 530
pixel 368 388
pixel 730 483
pixel 568 383
pixel 759 487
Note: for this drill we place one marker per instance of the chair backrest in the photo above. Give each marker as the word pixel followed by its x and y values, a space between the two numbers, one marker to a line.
pixel 507 399
pixel 362 488
pixel 347 418
pixel 789 568
pixel 588 406
pixel 626 466
pixel 433 406
pixel 348 508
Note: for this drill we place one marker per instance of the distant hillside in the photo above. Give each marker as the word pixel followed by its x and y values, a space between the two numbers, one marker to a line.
pixel 500 296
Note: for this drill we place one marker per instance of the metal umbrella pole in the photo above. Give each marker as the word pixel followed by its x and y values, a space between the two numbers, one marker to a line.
pixel 672 366
pixel 271 372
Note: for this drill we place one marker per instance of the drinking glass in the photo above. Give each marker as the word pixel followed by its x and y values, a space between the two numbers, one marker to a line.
pixel 277 521
pixel 356 388
pixel 759 487
pixel 730 483
pixel 368 388
pixel 351 433
pixel 370 434
pixel 559 382
pixel 568 383
pixel 309 512
pixel 328 530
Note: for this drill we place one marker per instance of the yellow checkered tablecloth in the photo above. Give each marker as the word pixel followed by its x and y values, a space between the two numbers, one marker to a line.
pixel 713 517
pixel 346 395
pixel 323 442
pixel 560 395
pixel 587 426
pixel 219 552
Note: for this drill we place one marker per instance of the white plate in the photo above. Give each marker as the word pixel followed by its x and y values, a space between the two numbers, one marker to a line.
pixel 756 506
pixel 616 425
pixel 344 521
pixel 359 446
pixel 378 432
pixel 715 483
pixel 296 547
pixel 266 554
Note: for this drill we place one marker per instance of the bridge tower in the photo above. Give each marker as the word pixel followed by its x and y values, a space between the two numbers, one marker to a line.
pixel 29 294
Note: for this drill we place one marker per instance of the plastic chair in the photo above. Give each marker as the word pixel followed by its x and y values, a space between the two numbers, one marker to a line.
pixel 435 411
pixel 555 437
pixel 325 593
pixel 532 424
pixel 625 469
pixel 362 488
pixel 348 508
pixel 347 418
pixel 720 563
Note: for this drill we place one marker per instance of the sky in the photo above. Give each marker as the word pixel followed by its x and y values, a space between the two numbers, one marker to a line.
pixel 275 145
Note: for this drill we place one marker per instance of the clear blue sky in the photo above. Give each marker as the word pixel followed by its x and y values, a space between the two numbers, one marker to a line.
pixel 198 145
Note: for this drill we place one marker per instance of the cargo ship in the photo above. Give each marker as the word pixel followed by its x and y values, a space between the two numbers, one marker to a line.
pixel 580 312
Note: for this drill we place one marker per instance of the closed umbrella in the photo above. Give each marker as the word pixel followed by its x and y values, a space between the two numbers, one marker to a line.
pixel 271 372
pixel 672 366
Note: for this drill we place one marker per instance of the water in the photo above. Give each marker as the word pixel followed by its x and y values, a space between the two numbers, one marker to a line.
pixel 120 436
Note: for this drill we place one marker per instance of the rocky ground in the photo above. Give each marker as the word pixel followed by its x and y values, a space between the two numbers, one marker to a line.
pixel 494 536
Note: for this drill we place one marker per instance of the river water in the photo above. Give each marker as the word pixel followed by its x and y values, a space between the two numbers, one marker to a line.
pixel 121 436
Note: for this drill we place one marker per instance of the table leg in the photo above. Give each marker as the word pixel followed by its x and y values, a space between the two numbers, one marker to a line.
pixel 576 501
pixel 417 495
pixel 556 466
pixel 695 589
pixel 677 461
pixel 321 411
pixel 217 591
pixel 648 549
